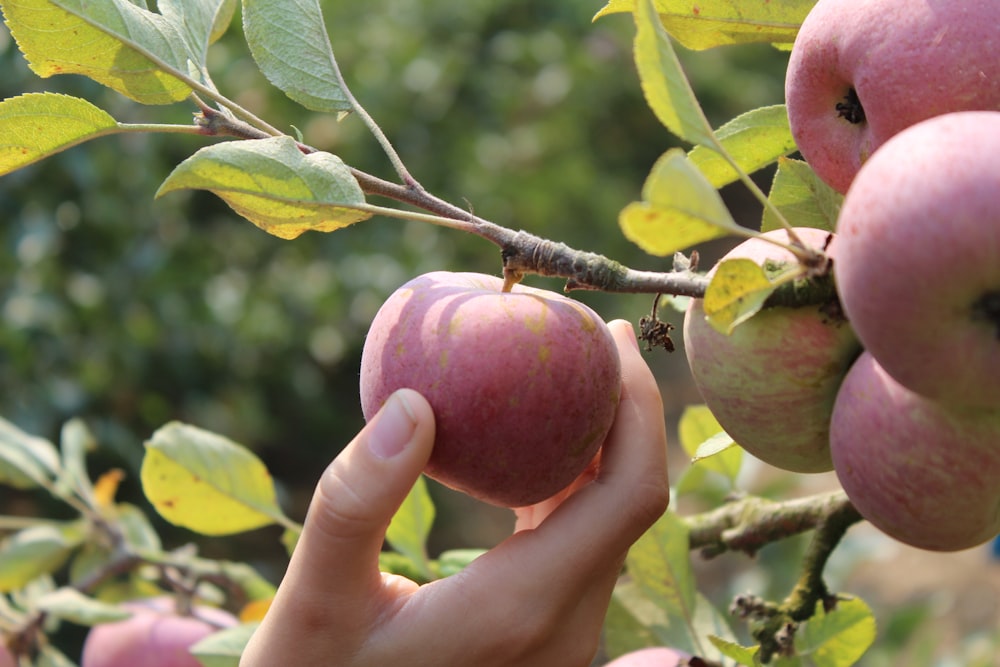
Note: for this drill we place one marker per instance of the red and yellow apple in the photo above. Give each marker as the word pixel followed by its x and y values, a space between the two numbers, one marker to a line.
pixel 771 383
pixel 918 257
pixel 860 72
pixel 154 636
pixel 524 384
pixel 922 472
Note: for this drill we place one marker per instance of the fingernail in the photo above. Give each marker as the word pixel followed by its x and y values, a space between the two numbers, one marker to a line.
pixel 628 331
pixel 392 429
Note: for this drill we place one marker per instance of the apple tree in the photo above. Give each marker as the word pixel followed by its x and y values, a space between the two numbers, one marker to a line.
pixel 767 331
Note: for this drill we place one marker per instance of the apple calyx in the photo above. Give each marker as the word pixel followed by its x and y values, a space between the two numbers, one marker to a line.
pixel 987 307
pixel 850 109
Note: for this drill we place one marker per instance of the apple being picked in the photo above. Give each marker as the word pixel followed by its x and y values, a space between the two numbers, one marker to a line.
pixel 154 636
pixel 918 257
pixel 860 72
pixel 922 472
pixel 524 384
pixel 771 383
pixel 651 657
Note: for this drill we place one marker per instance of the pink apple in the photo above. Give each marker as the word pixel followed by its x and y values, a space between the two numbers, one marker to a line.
pixel 918 257
pixel 921 472
pixel 524 385
pixel 771 383
pixel 6 657
pixel 651 657
pixel 154 636
pixel 860 72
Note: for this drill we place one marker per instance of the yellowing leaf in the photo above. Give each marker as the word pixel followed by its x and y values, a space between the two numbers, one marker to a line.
pixel 107 486
pixel 255 610
pixel 271 183
pixel 37 125
pixel 736 293
pixel 207 483
pixel 707 443
pixel 805 200
pixel 837 638
pixel 710 23
pixel 114 42
pixel 664 84
pixel 679 209
pixel 753 140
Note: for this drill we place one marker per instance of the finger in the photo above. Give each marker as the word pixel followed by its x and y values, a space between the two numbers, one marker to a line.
pixel 336 558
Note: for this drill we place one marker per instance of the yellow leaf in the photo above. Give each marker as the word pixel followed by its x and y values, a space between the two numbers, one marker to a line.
pixel 255 610
pixel 737 292
pixel 106 487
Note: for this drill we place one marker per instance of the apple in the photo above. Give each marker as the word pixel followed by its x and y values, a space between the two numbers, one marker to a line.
pixel 154 636
pixel 922 472
pixel 524 384
pixel 771 383
pixel 918 257
pixel 6 657
pixel 860 72
pixel 651 657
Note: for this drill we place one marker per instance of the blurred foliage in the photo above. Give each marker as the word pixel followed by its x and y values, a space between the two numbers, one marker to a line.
pixel 130 312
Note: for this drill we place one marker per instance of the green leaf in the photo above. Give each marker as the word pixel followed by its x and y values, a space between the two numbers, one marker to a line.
pixel 804 199
pixel 410 526
pixel 201 22
pixel 707 443
pixel 454 561
pixel 660 565
pixel 36 551
pixel 131 50
pixel 207 483
pixel 736 293
pixel 743 655
pixel 50 656
pixel 288 39
pixel 37 125
pixel 679 209
pixel 74 442
pixel 138 532
pixel 837 638
pixel 710 23
pixel 26 461
pixel 271 183
pixel 71 605
pixel 754 140
pixel 224 648
pixel 631 621
pixel 667 90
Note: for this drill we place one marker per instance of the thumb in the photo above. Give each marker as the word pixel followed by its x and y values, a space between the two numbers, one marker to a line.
pixel 337 554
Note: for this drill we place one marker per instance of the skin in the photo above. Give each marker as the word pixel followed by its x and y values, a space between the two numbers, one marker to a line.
pixel 918 249
pixel 154 636
pixel 6 659
pixel 535 600
pixel 923 473
pixel 906 60
pixel 651 657
pixel 524 385
pixel 783 361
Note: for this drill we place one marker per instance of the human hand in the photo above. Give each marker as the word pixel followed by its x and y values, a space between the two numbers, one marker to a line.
pixel 537 598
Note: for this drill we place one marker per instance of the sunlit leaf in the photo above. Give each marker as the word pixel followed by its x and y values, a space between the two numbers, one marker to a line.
pixel 837 638
pixel 455 560
pixel 707 443
pixel 410 526
pixel 114 42
pixel 255 610
pixel 709 23
pixel 664 83
pixel 743 655
pixel 679 209
pixel 288 39
pixel 804 199
pixel 37 125
pixel 223 648
pixel 271 183
pixel 70 604
pixel 660 564
pixel 754 140
pixel 207 483
pixel 36 551
pixel 74 443
pixel 26 461
pixel 736 293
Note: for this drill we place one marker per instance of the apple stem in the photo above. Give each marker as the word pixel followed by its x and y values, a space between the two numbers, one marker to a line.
pixel 987 308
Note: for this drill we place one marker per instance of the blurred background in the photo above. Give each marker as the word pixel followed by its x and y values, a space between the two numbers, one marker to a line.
pixel 130 312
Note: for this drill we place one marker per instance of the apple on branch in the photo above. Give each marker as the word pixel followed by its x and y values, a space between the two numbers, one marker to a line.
pixel 922 472
pixel 771 383
pixel 918 257
pixel 524 384
pixel 860 72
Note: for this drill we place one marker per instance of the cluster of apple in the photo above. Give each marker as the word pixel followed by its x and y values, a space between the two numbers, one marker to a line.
pixel 895 104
